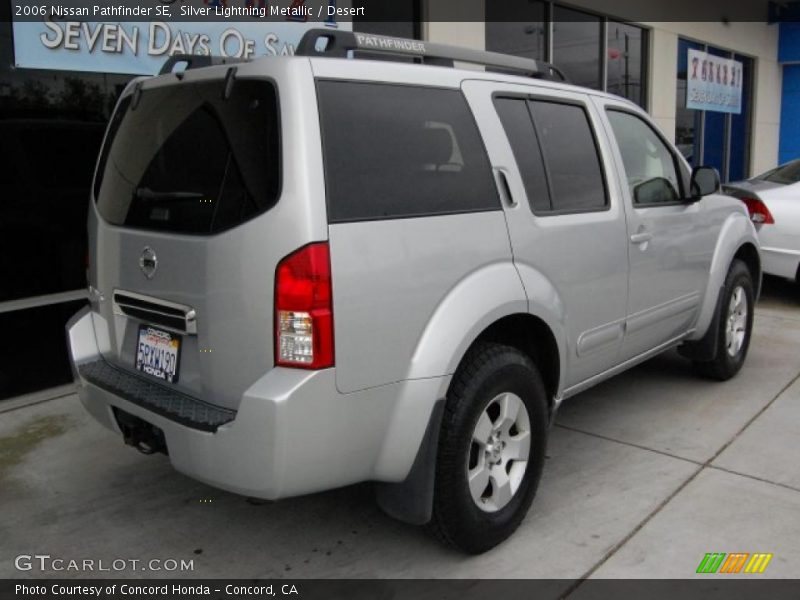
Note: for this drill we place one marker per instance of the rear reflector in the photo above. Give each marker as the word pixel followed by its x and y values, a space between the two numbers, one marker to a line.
pixel 304 309
pixel 759 213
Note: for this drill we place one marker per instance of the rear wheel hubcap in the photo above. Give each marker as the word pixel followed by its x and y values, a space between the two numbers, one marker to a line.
pixel 499 451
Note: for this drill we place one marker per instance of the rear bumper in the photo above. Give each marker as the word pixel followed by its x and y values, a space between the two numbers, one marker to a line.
pixel 780 261
pixel 293 433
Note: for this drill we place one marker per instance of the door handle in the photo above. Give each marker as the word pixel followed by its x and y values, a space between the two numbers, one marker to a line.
pixel 503 188
pixel 641 237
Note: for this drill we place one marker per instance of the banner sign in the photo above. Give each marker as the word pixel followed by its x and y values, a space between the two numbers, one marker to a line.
pixel 713 83
pixel 141 47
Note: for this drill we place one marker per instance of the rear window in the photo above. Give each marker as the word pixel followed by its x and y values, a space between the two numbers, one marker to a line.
pixel 186 160
pixel 395 151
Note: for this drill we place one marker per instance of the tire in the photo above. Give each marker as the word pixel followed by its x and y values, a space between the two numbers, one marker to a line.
pixel 735 325
pixel 491 377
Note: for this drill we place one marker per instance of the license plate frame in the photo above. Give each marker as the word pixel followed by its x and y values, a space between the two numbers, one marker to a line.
pixel 158 353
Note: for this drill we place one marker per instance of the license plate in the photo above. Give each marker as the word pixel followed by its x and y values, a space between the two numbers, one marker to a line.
pixel 158 353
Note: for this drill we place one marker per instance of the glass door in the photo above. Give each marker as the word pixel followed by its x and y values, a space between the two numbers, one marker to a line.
pixel 706 137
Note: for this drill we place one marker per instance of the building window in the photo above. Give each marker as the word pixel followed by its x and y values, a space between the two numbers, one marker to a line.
pixel 592 50
pixel 625 53
pixel 716 139
pixel 51 126
pixel 577 46
pixel 396 19
pixel 517 28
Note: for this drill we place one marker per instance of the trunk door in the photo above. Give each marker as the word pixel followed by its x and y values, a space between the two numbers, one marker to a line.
pixel 188 231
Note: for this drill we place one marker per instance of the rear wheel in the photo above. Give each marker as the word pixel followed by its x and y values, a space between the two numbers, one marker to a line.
pixel 735 324
pixel 491 448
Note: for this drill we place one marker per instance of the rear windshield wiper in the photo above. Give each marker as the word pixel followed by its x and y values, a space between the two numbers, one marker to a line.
pixel 147 194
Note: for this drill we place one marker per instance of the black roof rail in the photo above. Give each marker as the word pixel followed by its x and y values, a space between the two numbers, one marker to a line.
pixel 338 44
pixel 196 61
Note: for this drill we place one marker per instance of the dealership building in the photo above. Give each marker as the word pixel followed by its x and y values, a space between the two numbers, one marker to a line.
pixel 56 96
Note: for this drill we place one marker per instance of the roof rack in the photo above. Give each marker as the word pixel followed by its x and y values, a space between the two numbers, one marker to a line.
pixel 196 61
pixel 339 44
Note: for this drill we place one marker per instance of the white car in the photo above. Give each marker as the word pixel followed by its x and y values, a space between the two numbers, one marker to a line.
pixel 773 201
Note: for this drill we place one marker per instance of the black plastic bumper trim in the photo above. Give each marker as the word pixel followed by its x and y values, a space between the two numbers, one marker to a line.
pixel 159 399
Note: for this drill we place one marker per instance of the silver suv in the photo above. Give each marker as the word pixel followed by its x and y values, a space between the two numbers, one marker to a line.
pixel 312 271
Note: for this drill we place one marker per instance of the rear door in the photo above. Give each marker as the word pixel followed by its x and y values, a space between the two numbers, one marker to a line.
pixel 566 221
pixel 188 226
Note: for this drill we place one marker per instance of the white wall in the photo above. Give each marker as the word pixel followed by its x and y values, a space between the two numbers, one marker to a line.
pixel 443 24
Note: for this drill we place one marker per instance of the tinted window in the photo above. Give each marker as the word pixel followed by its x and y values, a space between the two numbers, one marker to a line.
pixel 788 173
pixel 649 164
pixel 517 123
pixel 401 151
pixel 186 160
pixel 571 155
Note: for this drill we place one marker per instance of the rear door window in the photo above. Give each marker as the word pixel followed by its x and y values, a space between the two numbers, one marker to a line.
pixel 395 151
pixel 557 154
pixel 516 119
pixel 571 155
pixel 186 160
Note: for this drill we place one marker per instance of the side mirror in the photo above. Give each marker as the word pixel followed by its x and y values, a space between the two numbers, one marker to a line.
pixel 705 181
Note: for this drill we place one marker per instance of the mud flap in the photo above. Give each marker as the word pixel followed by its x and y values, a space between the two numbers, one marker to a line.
pixel 705 348
pixel 411 500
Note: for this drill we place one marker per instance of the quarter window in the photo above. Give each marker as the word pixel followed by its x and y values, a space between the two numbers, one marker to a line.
pixel 395 151
pixel 649 164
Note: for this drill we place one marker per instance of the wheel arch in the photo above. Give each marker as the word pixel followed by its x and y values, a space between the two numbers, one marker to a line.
pixel 749 255
pixel 533 337
pixel 737 240
pixel 411 500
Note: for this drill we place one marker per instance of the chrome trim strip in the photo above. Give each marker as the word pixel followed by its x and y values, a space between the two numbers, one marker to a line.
pixel 189 313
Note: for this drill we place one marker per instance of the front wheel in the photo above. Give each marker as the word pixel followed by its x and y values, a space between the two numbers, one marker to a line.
pixel 491 448
pixel 735 324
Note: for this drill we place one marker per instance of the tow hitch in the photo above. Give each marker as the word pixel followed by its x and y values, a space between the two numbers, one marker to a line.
pixel 146 438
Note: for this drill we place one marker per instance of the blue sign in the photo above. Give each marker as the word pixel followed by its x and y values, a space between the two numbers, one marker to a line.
pixel 714 83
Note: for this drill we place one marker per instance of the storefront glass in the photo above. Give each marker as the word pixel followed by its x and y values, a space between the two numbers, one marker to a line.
pixel 740 129
pixel 51 126
pixel 517 29
pixel 709 137
pixel 590 49
pixel 576 46
pixel 626 66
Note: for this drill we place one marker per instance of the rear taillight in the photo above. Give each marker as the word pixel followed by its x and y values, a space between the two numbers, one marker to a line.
pixel 759 213
pixel 304 309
